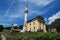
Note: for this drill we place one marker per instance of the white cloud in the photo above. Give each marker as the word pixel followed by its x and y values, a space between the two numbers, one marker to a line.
pixel 15 24
pixel 46 20
pixel 39 2
pixel 54 17
pixel 5 24
pixel 13 16
pixel 19 12
pixel 7 11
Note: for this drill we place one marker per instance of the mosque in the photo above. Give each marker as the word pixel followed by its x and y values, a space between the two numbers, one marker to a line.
pixel 34 25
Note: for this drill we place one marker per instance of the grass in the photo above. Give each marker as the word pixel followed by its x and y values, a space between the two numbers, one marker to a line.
pixel 0 37
pixel 35 35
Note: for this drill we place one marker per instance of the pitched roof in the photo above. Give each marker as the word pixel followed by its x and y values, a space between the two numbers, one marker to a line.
pixel 39 18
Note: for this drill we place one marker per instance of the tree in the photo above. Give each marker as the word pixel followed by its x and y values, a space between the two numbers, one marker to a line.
pixel 1 28
pixel 47 27
pixel 7 28
pixel 56 24
pixel 21 27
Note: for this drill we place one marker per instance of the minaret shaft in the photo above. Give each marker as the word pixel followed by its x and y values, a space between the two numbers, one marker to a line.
pixel 25 18
pixel 25 21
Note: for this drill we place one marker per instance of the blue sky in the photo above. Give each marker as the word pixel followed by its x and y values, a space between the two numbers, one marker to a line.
pixel 12 11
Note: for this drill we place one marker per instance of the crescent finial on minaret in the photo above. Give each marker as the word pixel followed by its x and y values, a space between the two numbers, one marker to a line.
pixel 26 9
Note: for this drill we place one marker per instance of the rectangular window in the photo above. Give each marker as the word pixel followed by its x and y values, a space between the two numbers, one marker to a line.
pixel 34 23
pixel 30 29
pixel 30 23
pixel 34 28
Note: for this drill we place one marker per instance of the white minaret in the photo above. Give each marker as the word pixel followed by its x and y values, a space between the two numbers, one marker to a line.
pixel 25 18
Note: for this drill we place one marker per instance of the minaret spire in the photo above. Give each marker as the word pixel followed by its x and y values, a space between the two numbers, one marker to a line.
pixel 26 8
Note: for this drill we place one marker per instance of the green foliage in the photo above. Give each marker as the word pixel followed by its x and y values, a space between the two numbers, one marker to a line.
pixel 1 28
pixel 35 35
pixel 7 28
pixel 56 24
pixel 21 27
pixel 15 27
pixel 0 38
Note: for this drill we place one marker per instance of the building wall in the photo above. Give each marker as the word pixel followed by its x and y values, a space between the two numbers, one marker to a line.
pixel 42 26
pixel 33 26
